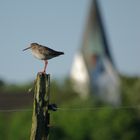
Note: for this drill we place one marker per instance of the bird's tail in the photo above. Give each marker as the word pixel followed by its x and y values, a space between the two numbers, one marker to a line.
pixel 56 53
pixel 61 53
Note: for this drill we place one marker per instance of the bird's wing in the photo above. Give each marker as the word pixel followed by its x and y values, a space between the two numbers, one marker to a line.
pixel 48 51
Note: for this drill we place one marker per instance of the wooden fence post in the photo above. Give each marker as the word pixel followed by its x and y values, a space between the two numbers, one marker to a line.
pixel 41 117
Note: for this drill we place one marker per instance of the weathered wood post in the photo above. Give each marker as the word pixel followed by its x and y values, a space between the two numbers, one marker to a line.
pixel 41 116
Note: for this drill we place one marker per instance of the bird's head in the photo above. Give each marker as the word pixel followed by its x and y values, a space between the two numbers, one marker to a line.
pixel 33 45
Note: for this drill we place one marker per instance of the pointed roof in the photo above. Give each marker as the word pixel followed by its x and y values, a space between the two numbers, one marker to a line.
pixel 95 24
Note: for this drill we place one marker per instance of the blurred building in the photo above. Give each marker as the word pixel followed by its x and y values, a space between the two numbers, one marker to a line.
pixel 93 70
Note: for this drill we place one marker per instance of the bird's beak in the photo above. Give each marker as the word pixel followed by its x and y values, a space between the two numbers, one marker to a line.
pixel 26 49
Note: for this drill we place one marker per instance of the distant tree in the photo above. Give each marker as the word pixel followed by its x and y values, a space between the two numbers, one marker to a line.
pixel 2 83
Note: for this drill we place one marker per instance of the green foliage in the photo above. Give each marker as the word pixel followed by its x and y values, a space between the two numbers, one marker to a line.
pixel 81 124
pixel 100 124
pixel 2 127
pixel 15 126
pixel 20 125
pixel 131 90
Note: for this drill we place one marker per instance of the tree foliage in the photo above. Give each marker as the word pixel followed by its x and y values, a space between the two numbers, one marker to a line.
pixel 69 123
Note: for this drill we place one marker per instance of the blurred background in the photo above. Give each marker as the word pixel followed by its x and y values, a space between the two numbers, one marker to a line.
pixel 95 84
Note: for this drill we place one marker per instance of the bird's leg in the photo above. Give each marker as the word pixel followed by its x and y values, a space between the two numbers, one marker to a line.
pixel 44 71
pixel 46 63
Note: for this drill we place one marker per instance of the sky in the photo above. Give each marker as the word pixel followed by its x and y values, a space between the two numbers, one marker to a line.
pixel 60 25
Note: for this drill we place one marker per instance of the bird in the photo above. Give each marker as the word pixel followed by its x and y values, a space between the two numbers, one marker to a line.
pixel 43 53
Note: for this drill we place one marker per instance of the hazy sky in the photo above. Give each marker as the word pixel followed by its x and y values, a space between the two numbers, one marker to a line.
pixel 60 25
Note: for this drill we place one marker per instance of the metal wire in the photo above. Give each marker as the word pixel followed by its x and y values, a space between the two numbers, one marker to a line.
pixel 76 108
pixel 98 108
pixel 14 110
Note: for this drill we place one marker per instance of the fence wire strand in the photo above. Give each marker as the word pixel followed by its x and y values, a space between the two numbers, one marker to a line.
pixel 98 108
pixel 14 110
pixel 75 108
